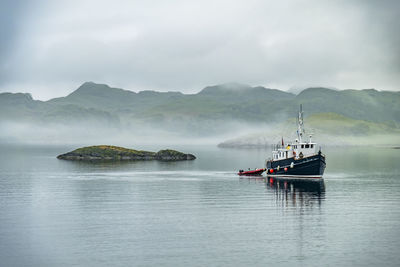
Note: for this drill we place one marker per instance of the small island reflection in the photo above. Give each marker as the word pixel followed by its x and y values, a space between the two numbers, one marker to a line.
pixel 124 165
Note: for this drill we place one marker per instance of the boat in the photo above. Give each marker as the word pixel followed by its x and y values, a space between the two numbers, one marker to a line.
pixel 297 160
pixel 255 172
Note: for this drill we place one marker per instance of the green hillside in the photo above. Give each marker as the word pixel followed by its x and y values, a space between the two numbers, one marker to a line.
pixel 368 104
pixel 336 124
pixel 207 112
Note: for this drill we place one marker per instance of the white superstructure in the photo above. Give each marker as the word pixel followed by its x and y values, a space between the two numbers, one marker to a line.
pixel 298 149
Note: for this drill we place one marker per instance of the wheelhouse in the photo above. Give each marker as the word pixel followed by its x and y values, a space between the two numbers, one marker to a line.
pixel 294 150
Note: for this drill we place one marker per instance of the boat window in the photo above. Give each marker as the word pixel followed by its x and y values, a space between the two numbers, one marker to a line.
pixel 307 146
pixel 312 146
pixel 302 146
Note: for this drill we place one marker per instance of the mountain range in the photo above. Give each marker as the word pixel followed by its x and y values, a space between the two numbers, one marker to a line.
pixel 206 113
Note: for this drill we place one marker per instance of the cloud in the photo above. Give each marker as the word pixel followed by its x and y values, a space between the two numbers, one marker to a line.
pixel 186 45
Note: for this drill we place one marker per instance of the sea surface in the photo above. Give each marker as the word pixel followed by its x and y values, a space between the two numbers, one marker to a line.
pixel 197 213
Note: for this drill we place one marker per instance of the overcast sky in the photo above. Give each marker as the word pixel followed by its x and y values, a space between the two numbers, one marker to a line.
pixel 48 48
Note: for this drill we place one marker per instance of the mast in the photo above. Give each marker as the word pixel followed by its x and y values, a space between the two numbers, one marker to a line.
pixel 300 124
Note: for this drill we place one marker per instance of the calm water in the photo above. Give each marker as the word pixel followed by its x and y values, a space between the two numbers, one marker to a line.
pixel 199 213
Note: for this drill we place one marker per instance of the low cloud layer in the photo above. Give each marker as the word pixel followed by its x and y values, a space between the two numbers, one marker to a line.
pixel 48 48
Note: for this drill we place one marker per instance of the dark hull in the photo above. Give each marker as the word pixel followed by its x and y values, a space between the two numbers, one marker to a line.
pixel 308 167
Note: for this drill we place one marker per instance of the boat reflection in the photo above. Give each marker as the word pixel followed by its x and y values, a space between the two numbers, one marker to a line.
pixel 297 193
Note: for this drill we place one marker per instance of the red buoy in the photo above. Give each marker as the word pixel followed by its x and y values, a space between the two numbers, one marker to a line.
pixel 285 169
pixel 271 170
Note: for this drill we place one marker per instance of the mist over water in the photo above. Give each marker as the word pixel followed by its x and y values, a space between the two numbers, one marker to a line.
pixel 92 132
